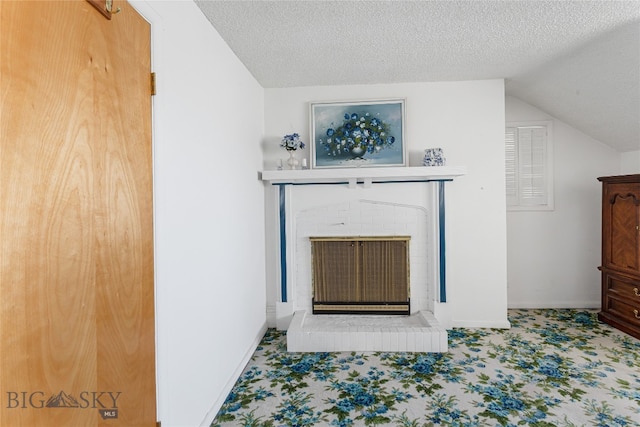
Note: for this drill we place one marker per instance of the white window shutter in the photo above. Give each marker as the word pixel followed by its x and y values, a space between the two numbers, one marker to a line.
pixel 532 170
pixel 527 166
pixel 511 165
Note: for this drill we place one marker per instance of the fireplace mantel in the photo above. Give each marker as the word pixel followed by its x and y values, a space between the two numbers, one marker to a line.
pixel 362 175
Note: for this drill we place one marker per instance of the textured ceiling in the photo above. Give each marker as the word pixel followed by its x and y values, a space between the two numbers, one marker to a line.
pixel 577 60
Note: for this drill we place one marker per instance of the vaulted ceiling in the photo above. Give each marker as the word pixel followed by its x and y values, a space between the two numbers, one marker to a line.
pixel 577 60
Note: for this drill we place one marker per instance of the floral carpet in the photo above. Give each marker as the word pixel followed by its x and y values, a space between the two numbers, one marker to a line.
pixel 552 368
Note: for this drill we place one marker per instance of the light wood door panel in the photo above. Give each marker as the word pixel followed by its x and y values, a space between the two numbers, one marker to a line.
pixel 76 235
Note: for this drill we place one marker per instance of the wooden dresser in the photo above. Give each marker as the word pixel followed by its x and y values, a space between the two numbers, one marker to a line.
pixel 621 253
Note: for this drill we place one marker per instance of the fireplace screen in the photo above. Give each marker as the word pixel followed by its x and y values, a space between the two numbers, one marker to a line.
pixel 360 275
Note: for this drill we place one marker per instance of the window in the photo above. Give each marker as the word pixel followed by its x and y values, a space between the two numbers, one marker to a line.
pixel 528 166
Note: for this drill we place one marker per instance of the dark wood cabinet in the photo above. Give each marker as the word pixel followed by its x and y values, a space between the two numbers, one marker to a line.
pixel 621 253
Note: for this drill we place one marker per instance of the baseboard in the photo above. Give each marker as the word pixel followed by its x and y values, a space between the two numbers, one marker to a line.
pixel 271 315
pixel 554 304
pixel 498 324
pixel 208 419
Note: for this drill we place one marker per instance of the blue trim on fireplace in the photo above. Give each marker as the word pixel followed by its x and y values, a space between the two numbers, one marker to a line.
pixel 283 246
pixel 443 261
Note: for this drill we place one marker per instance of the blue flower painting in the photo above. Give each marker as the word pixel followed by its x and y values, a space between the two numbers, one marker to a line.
pixel 360 134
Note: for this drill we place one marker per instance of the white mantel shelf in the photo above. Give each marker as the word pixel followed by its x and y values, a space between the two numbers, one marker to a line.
pixel 363 175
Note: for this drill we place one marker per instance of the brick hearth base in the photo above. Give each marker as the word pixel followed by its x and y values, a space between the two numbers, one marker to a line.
pixel 419 332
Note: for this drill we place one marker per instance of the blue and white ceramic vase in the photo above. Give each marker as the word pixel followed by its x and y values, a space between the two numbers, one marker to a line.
pixel 433 157
pixel 292 161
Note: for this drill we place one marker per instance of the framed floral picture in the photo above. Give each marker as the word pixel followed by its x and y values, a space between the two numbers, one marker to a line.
pixel 357 134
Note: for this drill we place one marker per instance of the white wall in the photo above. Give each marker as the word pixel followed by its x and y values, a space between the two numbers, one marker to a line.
pixel 466 119
pixel 210 285
pixel 630 162
pixel 553 255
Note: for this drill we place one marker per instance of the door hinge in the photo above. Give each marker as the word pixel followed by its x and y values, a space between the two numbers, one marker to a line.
pixel 153 84
pixel 158 424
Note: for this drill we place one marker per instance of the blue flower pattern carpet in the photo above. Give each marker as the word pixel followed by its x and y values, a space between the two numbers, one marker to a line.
pixel 552 368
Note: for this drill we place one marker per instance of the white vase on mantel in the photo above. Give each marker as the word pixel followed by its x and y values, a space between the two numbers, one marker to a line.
pixel 292 161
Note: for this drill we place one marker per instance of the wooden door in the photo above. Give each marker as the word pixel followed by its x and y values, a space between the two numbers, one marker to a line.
pixel 77 341
pixel 621 238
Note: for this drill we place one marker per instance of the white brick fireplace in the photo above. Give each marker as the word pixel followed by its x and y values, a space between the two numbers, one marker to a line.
pixel 366 218
pixel 367 202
